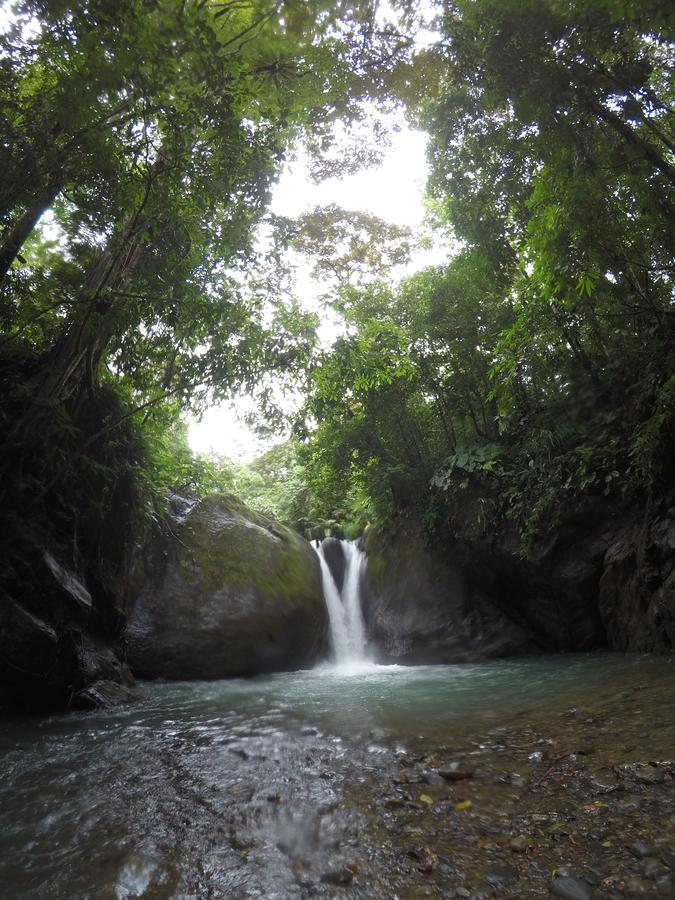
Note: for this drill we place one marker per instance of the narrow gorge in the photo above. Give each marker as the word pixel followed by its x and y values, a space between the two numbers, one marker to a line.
pixel 337 450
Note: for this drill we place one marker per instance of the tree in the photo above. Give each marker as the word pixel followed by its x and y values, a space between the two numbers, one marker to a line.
pixel 180 148
pixel 539 360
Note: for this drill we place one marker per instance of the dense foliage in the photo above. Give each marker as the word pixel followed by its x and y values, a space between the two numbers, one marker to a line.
pixel 147 135
pixel 536 366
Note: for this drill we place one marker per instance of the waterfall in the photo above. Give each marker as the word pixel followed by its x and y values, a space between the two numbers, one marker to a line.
pixel 347 630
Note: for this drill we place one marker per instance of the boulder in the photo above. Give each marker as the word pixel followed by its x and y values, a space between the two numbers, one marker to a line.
pixel 104 693
pixel 228 594
pixel 420 606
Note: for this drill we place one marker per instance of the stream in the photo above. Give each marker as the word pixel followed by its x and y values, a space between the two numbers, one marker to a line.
pixel 353 781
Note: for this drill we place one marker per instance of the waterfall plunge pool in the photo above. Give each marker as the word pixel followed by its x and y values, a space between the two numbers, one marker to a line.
pixel 326 782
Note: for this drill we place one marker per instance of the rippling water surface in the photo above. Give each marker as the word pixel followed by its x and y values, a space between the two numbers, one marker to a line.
pixel 237 788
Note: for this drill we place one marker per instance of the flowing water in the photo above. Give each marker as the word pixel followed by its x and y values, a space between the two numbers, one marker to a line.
pixel 347 629
pixel 280 786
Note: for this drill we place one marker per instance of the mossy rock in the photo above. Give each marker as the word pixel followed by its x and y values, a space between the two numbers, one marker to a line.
pixel 236 595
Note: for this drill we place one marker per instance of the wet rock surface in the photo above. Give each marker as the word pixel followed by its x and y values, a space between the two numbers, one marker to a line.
pixel 59 640
pixel 637 589
pixel 421 608
pixel 334 554
pixel 603 576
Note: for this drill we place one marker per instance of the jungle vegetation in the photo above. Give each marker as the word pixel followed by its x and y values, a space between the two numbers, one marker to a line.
pixel 535 365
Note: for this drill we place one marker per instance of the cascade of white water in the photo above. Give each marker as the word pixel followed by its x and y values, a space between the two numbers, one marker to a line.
pixel 336 611
pixel 351 599
pixel 347 629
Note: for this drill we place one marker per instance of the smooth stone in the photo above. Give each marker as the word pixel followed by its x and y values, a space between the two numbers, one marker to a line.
pixel 642 849
pixel 654 868
pixel 650 775
pixel 502 876
pixel 519 844
pixel 339 877
pixel 454 774
pixel 665 887
pixel 570 888
pixel 435 779
pixel 638 887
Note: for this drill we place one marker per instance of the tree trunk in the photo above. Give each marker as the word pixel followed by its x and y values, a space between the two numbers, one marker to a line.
pixel 71 368
pixel 17 234
pixel 77 356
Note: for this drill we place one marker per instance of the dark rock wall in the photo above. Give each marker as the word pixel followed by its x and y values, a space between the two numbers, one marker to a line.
pixel 59 645
pixel 637 588
pixel 421 607
pixel 603 578
pixel 73 508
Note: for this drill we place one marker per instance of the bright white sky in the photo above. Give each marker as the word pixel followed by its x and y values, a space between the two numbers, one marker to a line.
pixel 393 191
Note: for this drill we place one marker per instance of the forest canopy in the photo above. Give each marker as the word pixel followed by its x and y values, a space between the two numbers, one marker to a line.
pixel 532 367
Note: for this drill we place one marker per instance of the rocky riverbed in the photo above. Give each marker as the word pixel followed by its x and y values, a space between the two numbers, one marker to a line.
pixel 522 779
pixel 577 803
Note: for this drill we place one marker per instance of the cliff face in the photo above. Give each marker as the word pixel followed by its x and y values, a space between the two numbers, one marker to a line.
pixel 70 519
pixel 602 578
pixel 230 594
pixel 636 595
pixel 422 605
pixel 61 635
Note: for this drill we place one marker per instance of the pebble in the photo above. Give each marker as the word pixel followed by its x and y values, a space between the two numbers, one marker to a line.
pixel 339 877
pixel 454 774
pixel 642 849
pixel 570 888
pixel 665 887
pixel 433 778
pixel 519 844
pixel 649 775
pixel 654 868
pixel 603 787
pixel 502 876
pixel 638 887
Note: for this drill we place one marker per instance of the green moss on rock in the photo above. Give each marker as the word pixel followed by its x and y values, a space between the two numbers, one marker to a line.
pixel 239 594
